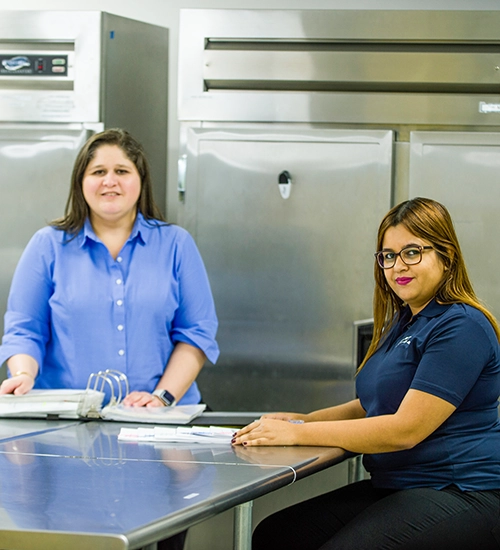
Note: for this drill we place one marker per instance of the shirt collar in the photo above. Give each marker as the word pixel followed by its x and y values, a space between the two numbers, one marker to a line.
pixel 139 231
pixel 432 309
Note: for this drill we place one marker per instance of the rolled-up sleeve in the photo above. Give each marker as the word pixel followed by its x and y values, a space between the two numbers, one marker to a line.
pixel 195 321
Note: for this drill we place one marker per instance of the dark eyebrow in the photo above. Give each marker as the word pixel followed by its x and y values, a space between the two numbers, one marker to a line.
pixel 93 167
pixel 405 246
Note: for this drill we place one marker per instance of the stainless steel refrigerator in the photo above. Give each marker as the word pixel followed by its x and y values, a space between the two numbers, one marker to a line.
pixel 299 130
pixel 64 76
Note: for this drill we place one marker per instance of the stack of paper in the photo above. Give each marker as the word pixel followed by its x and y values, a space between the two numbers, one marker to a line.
pixel 194 434
pixel 42 403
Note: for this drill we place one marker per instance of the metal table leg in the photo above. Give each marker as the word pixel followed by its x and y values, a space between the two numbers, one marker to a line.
pixel 355 469
pixel 242 537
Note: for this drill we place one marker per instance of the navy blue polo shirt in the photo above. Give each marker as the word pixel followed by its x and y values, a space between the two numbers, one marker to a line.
pixel 450 351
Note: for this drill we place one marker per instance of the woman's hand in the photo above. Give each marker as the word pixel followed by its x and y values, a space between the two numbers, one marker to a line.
pixel 18 384
pixel 142 399
pixel 268 431
pixel 23 369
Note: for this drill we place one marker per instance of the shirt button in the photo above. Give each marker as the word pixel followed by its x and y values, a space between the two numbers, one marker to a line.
pixel 119 302
pixel 120 327
pixel 119 259
pixel 118 281
pixel 121 352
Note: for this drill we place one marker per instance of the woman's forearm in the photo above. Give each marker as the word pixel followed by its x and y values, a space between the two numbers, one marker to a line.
pixel 183 367
pixel 418 416
pixel 345 411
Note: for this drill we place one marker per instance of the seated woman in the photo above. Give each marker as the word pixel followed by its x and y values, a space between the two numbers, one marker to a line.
pixel 426 418
pixel 110 286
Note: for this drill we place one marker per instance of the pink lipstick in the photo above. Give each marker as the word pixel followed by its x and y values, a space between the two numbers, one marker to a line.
pixel 403 280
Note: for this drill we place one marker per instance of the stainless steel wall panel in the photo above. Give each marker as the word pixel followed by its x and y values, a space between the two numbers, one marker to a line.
pixel 461 170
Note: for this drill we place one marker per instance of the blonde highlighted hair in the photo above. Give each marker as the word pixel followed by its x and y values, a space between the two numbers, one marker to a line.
pixel 429 220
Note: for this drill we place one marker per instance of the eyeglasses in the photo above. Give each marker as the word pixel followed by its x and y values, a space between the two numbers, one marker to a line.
pixel 410 255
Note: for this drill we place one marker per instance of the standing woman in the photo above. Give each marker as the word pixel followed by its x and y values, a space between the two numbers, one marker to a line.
pixel 110 286
pixel 426 418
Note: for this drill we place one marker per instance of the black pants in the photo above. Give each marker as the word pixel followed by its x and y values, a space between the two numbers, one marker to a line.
pixel 359 517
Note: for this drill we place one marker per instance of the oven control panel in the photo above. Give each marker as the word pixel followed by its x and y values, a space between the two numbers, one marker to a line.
pixel 33 65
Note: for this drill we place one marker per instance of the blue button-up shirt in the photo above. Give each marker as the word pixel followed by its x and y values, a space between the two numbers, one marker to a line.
pixel 77 310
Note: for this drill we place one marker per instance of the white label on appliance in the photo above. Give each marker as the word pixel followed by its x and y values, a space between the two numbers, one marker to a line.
pixel 489 107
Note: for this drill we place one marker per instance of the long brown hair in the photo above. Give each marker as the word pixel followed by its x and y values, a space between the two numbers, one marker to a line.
pixel 77 209
pixel 429 220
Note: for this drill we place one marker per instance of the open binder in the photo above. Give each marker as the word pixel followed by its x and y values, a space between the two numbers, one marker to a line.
pixel 87 403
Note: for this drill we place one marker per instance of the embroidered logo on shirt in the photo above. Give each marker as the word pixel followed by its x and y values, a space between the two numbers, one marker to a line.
pixel 404 341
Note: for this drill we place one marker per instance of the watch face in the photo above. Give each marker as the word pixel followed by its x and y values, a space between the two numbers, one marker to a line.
pixel 167 398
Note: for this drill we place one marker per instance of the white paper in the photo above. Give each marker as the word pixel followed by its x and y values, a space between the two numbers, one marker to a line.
pixel 193 434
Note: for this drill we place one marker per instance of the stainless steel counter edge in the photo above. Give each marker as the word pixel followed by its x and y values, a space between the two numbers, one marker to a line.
pixel 190 516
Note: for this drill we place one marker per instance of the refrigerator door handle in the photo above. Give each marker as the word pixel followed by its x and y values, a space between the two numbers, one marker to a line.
pixel 181 176
pixel 285 184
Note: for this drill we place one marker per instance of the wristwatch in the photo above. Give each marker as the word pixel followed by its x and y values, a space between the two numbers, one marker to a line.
pixel 165 397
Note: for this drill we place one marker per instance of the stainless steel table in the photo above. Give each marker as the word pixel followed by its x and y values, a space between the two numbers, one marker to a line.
pixel 71 484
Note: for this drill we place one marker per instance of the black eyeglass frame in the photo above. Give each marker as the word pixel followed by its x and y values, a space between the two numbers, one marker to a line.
pixel 380 253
